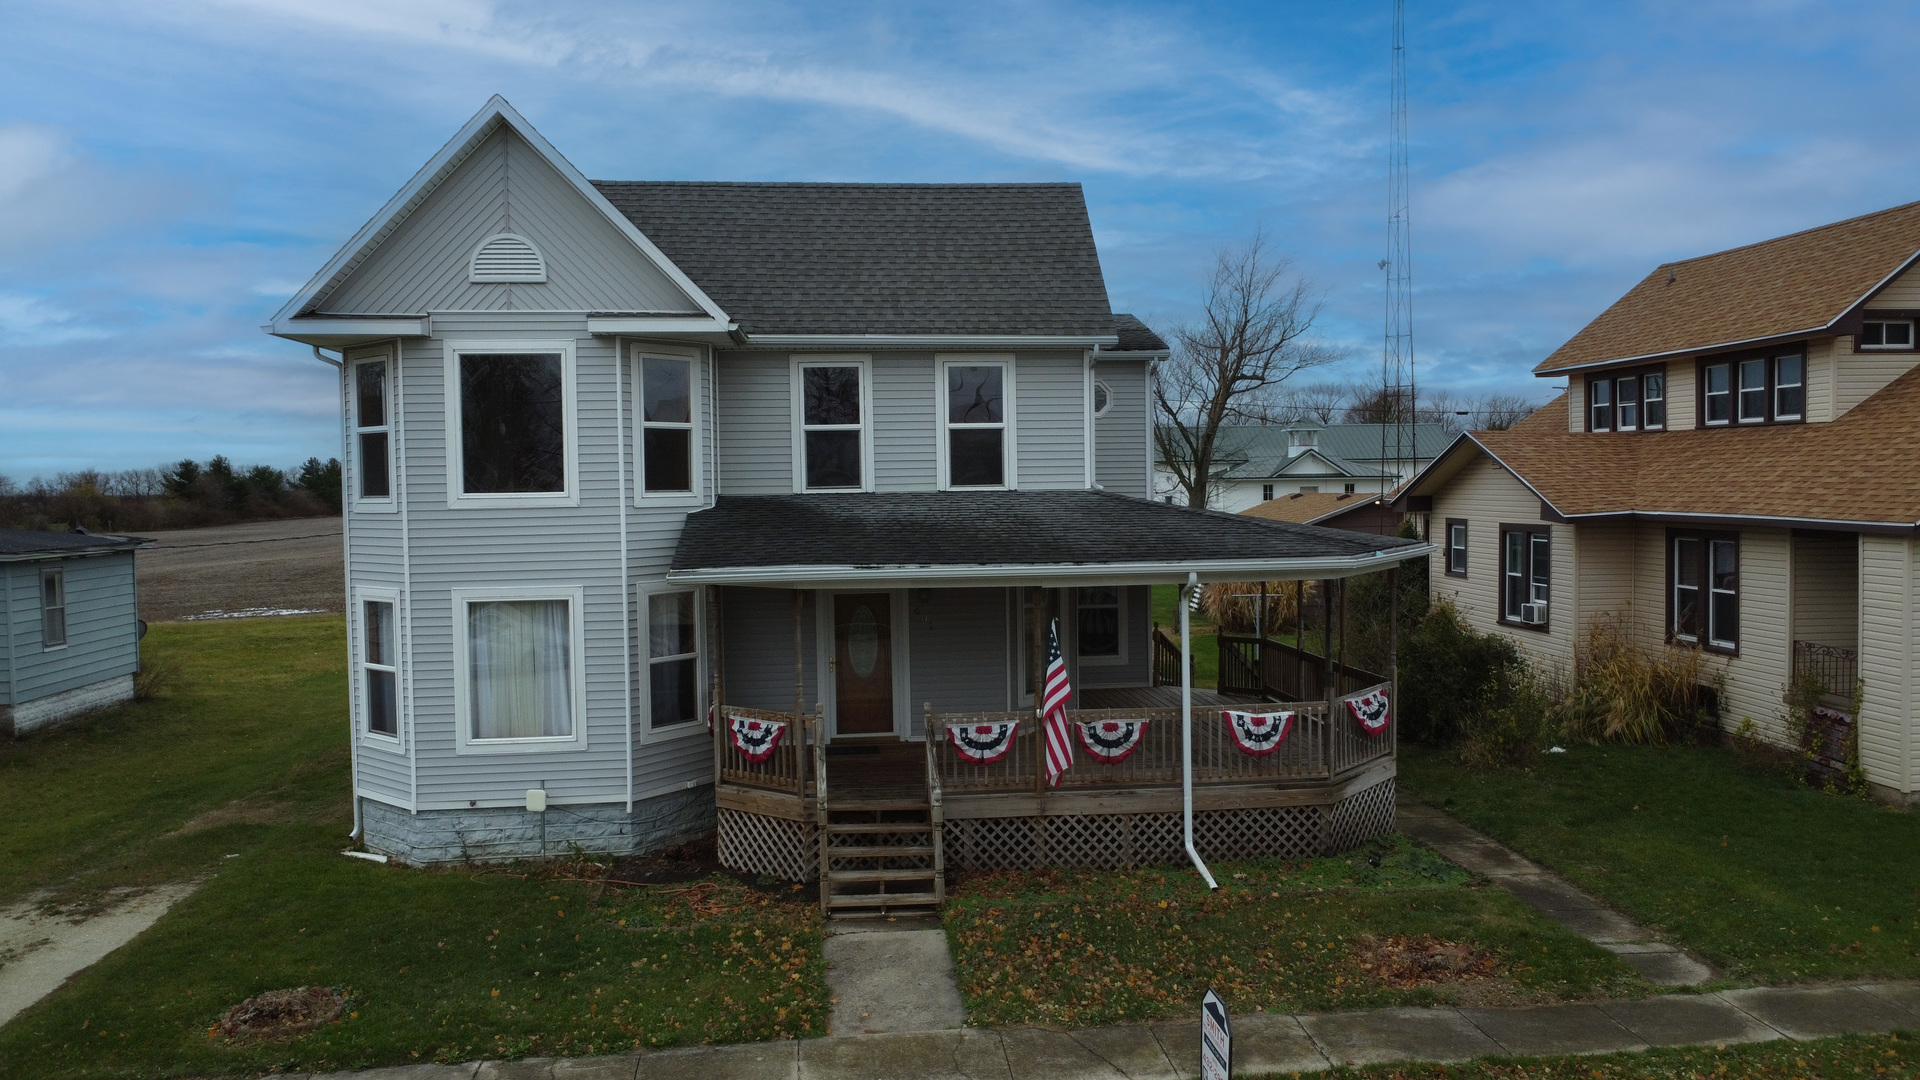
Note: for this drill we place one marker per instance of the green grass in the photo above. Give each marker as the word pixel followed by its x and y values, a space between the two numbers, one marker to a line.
pixel 1090 947
pixel 1769 880
pixel 1206 647
pixel 1868 1057
pixel 447 965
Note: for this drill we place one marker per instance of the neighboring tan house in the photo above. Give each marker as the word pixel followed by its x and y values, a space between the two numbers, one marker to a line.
pixel 657 490
pixel 1735 465
pixel 1254 463
pixel 1358 513
pixel 69 626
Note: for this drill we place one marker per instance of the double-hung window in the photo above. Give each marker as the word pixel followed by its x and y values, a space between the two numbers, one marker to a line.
pixel 1654 400
pixel 1600 391
pixel 1526 574
pixel 834 417
pixel 666 399
pixel 1457 547
pixel 1789 387
pixel 975 409
pixel 1703 575
pixel 1266 492
pixel 1636 401
pixel 373 429
pixel 53 609
pixel 1716 394
pixel 1100 635
pixel 379 668
pixel 521 684
pixel 673 659
pixel 1754 390
pixel 511 407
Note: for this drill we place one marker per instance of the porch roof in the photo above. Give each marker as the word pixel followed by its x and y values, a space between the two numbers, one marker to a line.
pixel 955 538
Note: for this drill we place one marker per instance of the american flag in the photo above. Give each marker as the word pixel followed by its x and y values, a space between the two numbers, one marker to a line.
pixel 1054 709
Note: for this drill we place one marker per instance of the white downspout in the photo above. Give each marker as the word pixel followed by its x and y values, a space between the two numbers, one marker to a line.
pixel 353 742
pixel 1187 592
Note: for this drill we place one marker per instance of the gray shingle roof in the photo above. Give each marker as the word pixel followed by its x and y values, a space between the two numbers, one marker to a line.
pixel 17 545
pixel 990 528
pixel 1135 336
pixel 881 258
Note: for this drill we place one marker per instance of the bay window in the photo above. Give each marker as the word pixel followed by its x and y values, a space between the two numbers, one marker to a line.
pixel 372 430
pixel 1526 575
pixel 1703 575
pixel 833 415
pixel 673 660
pixel 521 684
pixel 974 414
pixel 512 424
pixel 379 668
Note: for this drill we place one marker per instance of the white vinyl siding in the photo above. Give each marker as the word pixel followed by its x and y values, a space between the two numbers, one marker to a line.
pixel 1860 375
pixel 1487 497
pixel 1120 435
pixel 1889 638
pixel 1050 418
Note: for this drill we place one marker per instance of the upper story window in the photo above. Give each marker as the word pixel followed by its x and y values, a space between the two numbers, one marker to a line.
pixel 1102 398
pixel 1886 334
pixel 513 433
pixel 1754 389
pixel 1457 547
pixel 1266 492
pixel 372 409
pixel 1633 401
pixel 834 425
pixel 1526 575
pixel 666 399
pixel 1703 574
pixel 53 609
pixel 974 412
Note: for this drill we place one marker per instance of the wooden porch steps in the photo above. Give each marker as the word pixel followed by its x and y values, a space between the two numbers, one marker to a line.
pixel 878 858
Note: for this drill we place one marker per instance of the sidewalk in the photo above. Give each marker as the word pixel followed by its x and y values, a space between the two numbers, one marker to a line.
pixel 1263 1042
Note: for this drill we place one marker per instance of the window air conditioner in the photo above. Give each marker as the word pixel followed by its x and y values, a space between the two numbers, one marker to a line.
pixel 1534 614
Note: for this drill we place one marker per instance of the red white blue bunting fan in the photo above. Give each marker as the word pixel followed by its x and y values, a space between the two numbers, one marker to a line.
pixel 1112 741
pixel 982 744
pixel 1257 734
pixel 1370 709
pixel 755 739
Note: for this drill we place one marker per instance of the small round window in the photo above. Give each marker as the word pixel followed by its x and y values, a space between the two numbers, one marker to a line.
pixel 1102 397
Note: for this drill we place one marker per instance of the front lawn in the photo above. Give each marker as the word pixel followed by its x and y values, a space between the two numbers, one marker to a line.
pixel 449 965
pixel 1081 948
pixel 1769 880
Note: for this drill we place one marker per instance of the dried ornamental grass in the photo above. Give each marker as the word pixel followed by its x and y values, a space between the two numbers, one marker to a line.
pixel 1232 605
pixel 1625 694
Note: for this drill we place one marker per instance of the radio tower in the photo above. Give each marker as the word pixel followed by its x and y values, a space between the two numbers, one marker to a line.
pixel 1396 435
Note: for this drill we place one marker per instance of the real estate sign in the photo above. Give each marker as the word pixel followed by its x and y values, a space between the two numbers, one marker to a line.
pixel 1216 1038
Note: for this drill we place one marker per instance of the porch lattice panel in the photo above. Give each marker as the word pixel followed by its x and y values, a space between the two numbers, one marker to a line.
pixel 778 847
pixel 1119 841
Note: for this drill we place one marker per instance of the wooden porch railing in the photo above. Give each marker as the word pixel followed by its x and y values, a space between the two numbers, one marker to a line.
pixel 1263 667
pixel 789 770
pixel 1317 748
pixel 1166 659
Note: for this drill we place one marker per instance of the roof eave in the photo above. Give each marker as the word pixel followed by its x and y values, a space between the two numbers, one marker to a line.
pixel 958 341
pixel 1054 575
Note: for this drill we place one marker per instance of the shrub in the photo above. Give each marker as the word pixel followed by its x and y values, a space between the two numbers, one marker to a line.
pixel 1513 722
pixel 1625 694
pixel 1449 675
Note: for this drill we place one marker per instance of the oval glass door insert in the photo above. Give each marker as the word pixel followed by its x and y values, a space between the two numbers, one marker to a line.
pixel 863 641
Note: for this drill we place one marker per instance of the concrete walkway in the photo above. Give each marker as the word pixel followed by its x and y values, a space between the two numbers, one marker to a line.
pixel 891 976
pixel 39 951
pixel 1264 1043
pixel 1551 895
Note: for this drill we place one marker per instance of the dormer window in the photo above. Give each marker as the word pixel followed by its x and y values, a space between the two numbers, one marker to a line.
pixel 1887 334
pixel 1748 390
pixel 1633 401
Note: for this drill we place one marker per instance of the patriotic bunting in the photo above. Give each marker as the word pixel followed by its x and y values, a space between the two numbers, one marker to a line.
pixel 1257 734
pixel 1112 741
pixel 1370 709
pixel 1054 711
pixel 982 744
pixel 755 739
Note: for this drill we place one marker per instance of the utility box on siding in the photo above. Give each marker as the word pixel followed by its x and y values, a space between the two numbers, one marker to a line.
pixel 69 626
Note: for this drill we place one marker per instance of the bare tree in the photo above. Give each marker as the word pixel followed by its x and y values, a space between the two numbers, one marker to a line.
pixel 1498 412
pixel 1228 366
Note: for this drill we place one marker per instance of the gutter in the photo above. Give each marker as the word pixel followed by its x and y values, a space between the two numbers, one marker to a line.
pixel 1138 573
pixel 960 341
pixel 1186 728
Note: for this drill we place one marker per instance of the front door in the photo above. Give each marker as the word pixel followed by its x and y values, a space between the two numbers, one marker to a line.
pixel 863 664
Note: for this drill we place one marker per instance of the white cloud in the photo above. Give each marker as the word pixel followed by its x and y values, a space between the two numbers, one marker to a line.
pixel 34 320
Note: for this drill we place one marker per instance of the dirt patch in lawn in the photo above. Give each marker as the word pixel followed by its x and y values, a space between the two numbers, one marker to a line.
pixel 240 812
pixel 259 568
pixel 282 1014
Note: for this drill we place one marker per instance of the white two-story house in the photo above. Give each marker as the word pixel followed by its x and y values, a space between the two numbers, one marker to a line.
pixel 624 458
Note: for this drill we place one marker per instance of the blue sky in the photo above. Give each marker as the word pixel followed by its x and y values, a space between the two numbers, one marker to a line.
pixel 169 173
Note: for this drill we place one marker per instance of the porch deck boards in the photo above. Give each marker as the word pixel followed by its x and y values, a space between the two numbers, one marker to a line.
pixel 1156 697
pixel 876 769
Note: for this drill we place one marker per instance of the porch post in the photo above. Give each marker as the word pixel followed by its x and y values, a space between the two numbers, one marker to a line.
pixel 716 634
pixel 1342 684
pixel 1326 635
pixel 799 661
pixel 1393 638
pixel 1299 639
pixel 1038 596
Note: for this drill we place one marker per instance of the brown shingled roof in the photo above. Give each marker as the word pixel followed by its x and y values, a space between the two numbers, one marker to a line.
pixel 1859 468
pixel 1306 507
pixel 1792 284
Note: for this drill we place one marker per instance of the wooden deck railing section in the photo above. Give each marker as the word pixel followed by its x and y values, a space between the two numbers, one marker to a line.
pixel 1166 659
pixel 1263 667
pixel 1316 748
pixel 790 769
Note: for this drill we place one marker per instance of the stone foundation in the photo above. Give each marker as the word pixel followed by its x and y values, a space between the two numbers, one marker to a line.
pixel 55 709
pixel 496 834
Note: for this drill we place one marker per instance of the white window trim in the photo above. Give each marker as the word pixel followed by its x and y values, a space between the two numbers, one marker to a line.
pixel 464 742
pixel 1706 394
pixel 798 405
pixel 1009 443
pixel 457 498
pixel 1461 547
pixel 1108 407
pixel 1909 347
pixel 1779 386
pixel 1266 492
pixel 702 664
pixel 58 573
pixel 351 480
pixel 362 709
pixel 1741 390
pixel 697 412
pixel 1645 423
pixel 1117 660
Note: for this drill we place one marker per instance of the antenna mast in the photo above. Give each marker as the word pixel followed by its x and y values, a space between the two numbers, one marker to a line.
pixel 1397 432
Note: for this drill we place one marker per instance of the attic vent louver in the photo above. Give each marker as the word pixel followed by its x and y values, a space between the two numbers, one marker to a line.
pixel 507 257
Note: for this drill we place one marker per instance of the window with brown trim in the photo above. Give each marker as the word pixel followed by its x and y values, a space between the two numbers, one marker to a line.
pixel 1627 400
pixel 1526 575
pixel 1457 547
pixel 1770 388
pixel 1881 334
pixel 1703 589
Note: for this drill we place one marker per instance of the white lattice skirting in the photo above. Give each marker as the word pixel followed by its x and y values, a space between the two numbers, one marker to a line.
pixel 789 849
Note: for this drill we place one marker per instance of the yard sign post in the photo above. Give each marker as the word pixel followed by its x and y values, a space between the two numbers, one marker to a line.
pixel 1216 1039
